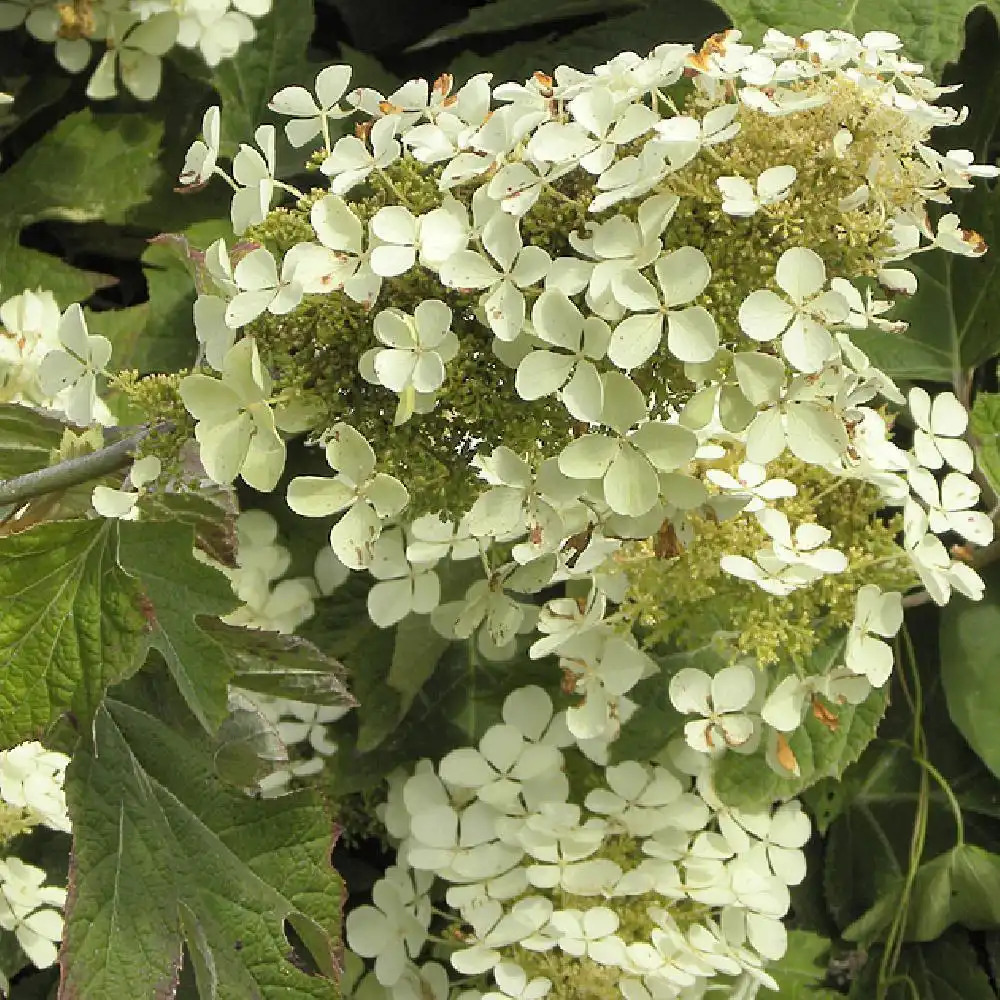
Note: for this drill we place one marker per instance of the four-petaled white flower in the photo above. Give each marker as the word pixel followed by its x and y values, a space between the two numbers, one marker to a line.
pixel 368 497
pixel 800 319
pixel 404 587
pixel 692 334
pixel 416 350
pixel 517 266
pixel 351 160
pixel 877 616
pixel 557 321
pixel 395 928
pixel 937 439
pixel 309 116
pixel 630 462
pixel 70 372
pixel 949 505
pixel 721 701
pixel 199 163
pixel 236 428
pixel 253 170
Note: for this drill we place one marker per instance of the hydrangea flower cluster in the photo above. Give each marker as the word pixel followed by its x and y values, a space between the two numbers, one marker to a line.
pixel 667 385
pixel 643 886
pixel 132 36
pixel 31 794
pixel 592 332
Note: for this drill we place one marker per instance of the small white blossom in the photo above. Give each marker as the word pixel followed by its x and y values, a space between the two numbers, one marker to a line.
pixel 743 199
pixel 720 700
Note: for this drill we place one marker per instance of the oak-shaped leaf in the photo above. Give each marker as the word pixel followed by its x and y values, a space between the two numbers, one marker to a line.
pixel 164 852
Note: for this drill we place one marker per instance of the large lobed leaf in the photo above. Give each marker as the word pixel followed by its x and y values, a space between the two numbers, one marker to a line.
pixel 164 852
pixel 178 587
pixel 71 625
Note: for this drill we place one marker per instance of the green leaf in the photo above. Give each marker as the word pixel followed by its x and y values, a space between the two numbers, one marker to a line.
pixel 419 646
pixel 282 666
pixel 513 15
pixel 178 587
pixel 70 625
pixel 247 745
pixel 747 781
pixel 948 969
pixel 868 844
pixel 961 886
pixel 87 168
pixel 931 31
pixel 969 669
pixel 27 439
pixel 163 850
pixel 257 72
pixel 800 973
pixel 416 652
pixel 984 422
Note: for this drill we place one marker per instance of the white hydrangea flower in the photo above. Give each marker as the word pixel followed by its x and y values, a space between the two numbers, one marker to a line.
pixel 720 700
pixel 31 910
pixel 938 438
pixel 692 334
pixel 235 424
pixel 875 614
pixel 342 262
pixel 29 329
pixel 743 199
pixel 801 320
pixel 508 757
pixel 516 267
pixel 395 927
pixel 557 321
pixel 70 372
pixel 684 136
pixel 629 462
pixel 752 479
pixel 260 287
pixel 417 348
pixel 638 797
pixel 135 48
pixel 351 161
pixel 253 171
pixel 493 928
pixel 311 115
pixel 31 778
pixel 949 505
pixel 404 587
pixel 200 161
pixel 367 496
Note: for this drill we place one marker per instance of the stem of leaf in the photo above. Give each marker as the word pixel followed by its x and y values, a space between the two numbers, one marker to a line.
pixel 897 931
pixel 956 809
pixel 72 472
